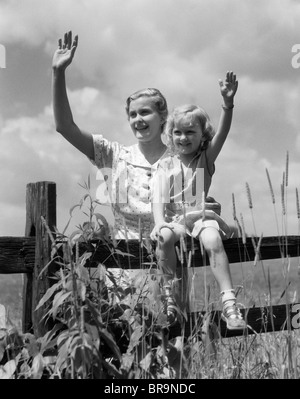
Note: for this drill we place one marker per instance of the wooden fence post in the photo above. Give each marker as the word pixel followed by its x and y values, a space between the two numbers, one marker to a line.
pixel 40 202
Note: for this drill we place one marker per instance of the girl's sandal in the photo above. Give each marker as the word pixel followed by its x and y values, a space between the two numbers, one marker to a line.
pixel 170 306
pixel 233 318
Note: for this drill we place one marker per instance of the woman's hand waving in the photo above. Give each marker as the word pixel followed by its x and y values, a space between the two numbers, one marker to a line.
pixel 63 56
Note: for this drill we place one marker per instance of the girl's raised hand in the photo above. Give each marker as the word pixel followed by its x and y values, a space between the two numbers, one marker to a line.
pixel 63 56
pixel 228 87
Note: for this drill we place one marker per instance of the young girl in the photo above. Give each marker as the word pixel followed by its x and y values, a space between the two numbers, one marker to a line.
pixel 180 202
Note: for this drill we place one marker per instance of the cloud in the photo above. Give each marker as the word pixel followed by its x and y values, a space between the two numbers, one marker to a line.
pixel 115 35
pixel 32 151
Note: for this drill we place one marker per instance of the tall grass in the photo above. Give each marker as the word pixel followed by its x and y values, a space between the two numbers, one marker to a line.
pixel 112 326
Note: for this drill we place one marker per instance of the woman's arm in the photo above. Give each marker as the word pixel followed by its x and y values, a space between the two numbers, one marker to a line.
pixel 63 117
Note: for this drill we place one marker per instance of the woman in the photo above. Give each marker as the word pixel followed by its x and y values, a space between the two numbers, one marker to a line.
pixel 128 170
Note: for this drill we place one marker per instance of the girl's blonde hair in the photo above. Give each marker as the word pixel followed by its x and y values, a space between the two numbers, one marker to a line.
pixel 157 99
pixel 194 113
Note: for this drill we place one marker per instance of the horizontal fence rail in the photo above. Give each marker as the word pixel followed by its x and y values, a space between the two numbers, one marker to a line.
pixel 17 254
pixel 236 250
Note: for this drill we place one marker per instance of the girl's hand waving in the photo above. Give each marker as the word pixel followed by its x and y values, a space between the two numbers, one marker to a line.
pixel 228 87
pixel 63 56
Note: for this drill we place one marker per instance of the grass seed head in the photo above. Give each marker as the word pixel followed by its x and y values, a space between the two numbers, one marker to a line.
pixel 243 230
pixel 249 196
pixel 233 207
pixel 297 204
pixel 271 187
pixel 282 199
pixel 287 169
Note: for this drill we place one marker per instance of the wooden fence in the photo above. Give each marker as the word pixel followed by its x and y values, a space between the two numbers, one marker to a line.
pixel 31 253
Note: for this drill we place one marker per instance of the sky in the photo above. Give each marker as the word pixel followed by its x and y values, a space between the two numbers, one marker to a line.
pixel 181 47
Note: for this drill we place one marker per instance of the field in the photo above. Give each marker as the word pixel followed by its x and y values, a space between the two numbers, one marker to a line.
pixel 262 356
pixel 88 311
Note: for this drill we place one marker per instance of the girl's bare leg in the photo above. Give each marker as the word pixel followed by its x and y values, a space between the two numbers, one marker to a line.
pixel 219 264
pixel 167 260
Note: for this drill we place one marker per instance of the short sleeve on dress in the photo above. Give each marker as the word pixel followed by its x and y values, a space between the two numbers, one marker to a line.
pixel 105 152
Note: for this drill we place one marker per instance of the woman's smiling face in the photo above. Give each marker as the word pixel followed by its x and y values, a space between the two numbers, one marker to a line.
pixel 144 119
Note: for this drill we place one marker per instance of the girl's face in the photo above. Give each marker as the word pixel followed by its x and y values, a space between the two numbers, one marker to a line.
pixel 144 119
pixel 187 136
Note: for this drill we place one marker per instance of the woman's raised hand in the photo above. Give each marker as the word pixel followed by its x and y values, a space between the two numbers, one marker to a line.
pixel 63 56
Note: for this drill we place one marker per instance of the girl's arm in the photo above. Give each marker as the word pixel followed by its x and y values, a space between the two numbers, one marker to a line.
pixel 228 89
pixel 63 117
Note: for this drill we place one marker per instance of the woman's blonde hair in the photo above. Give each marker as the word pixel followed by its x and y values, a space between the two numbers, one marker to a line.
pixel 194 113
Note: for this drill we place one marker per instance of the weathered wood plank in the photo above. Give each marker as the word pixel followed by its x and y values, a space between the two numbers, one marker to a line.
pixel 17 255
pixel 261 320
pixel 237 251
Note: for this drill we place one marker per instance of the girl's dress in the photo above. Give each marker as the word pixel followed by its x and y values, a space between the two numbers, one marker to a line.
pixel 187 195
